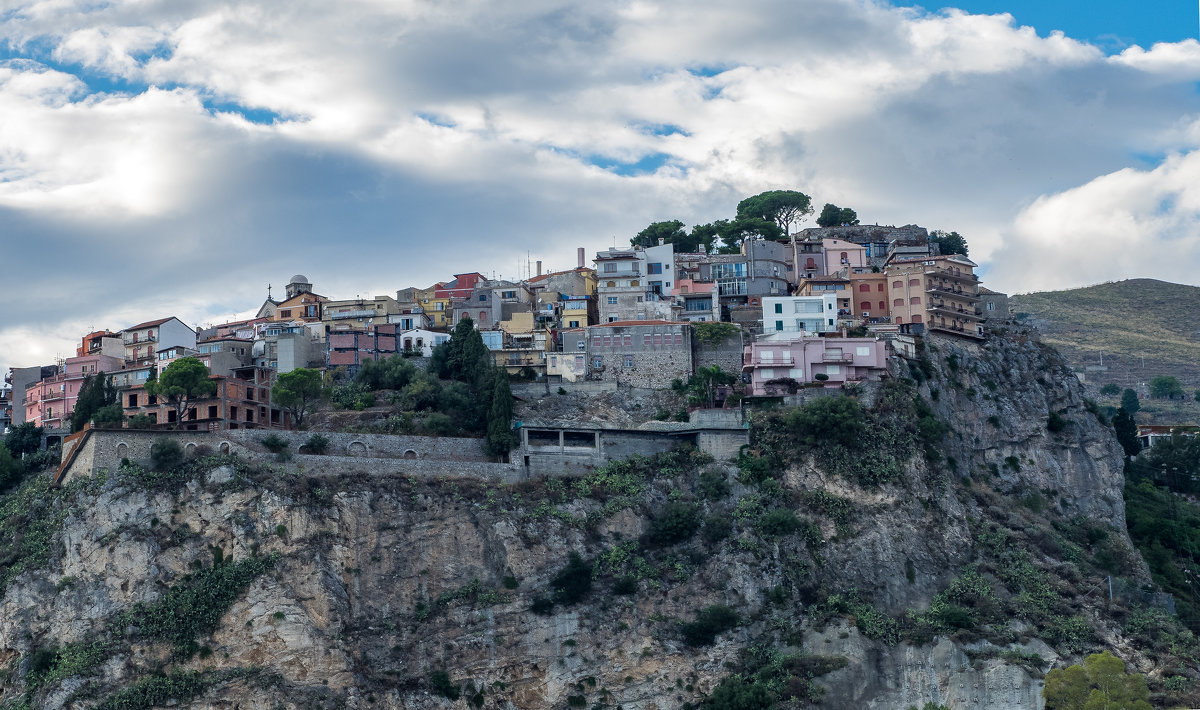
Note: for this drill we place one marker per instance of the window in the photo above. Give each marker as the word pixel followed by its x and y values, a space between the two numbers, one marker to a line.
pixel 212 412
pixel 508 294
pixel 483 298
pixel 991 305
pixel 133 400
pixel 612 300
pixel 573 324
pixel 310 311
pixel 608 341
pixel 612 319
pixel 830 321
pixel 679 338
pixel 611 284
pixel 597 362
pixel 640 299
pixel 897 284
pixel 597 341
pixel 285 313
pixel 779 308
pixel 578 362
pixel 883 305
pixel 581 344
pixel 914 301
pixel 483 317
pixel 628 340
pixel 610 268
pixel 862 350
pixel 916 319
pixel 845 258
pixel 914 282
pixel 811 263
pixel 833 369
pixel 881 287
pixel 658 339
pixel 898 302
pixel 634 283
pixel 654 268
pixel 899 320
pixel 778 325
pixel 628 361
pixel 864 288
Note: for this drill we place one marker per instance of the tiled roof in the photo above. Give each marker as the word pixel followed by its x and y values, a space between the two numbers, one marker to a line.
pixel 150 324
pixel 639 322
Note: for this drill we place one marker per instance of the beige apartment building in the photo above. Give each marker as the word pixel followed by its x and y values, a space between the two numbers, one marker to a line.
pixel 938 293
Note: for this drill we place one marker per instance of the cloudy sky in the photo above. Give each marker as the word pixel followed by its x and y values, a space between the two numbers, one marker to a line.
pixel 173 157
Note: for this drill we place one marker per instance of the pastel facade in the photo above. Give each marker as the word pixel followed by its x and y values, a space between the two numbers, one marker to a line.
pixel 143 340
pixel 938 293
pixel 50 401
pixel 357 313
pixel 777 367
pixel 800 314
pixel 696 301
pixel 632 283
pixel 869 296
pixel 843 255
pixel 419 340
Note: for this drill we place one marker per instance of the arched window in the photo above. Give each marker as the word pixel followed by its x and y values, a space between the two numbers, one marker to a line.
pixel 883 305
pixel 483 316
pixel 915 301
pixel 882 286
pixel 864 288
pixel 916 319
pixel 897 284
pixel 811 263
pixel 633 284
pixel 899 320
pixel 845 258
pixel 898 302
pixel 611 284
pixel 914 282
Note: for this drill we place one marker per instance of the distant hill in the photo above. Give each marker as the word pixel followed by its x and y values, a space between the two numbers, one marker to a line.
pixel 1143 327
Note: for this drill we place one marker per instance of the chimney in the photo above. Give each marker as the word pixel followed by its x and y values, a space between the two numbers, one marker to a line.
pixel 703 249
pixel 660 241
pixel 539 267
pixel 580 252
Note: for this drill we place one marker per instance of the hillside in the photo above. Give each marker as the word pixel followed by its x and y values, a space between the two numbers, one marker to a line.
pixel 942 541
pixel 1143 327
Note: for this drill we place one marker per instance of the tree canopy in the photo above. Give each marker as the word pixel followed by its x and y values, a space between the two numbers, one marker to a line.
pixel 183 382
pixel 298 392
pixel 24 439
pixel 734 233
pixel 782 207
pixel 949 242
pixel 1099 684
pixel 1166 387
pixel 96 393
pixel 1130 402
pixel 673 232
pixel 833 216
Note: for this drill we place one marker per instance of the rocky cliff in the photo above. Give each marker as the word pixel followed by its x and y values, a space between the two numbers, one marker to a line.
pixel 950 552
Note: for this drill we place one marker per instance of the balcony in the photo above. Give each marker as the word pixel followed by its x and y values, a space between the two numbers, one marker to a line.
pixel 785 361
pixel 837 357
pixel 951 292
pixel 365 313
pixel 957 276
pixel 137 340
pixel 952 310
pixel 956 330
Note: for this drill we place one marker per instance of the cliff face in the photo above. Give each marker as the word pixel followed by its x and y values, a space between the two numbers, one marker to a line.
pixel 394 592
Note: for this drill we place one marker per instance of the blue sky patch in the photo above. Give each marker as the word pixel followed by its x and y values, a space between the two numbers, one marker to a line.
pixel 436 120
pixel 646 165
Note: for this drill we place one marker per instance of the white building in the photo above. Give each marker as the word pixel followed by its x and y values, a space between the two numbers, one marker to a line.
pixel 800 314
pixel 421 340
pixel 635 284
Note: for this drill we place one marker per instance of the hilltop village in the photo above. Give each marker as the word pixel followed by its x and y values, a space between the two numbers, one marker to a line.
pixel 814 309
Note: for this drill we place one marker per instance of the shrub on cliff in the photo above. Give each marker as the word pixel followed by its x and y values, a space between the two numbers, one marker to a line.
pixel 710 621
pixel 166 454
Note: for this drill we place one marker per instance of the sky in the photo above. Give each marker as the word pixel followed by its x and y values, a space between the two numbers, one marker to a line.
pixel 174 157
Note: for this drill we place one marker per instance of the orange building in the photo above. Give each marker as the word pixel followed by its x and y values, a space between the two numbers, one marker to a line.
pixel 869 292
pixel 939 293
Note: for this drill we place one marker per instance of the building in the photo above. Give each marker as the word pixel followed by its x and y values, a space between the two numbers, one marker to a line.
pixel 992 305
pixel 50 401
pixel 101 342
pixel 420 341
pixel 6 413
pixel 936 293
pixel 640 353
pixel 19 379
pixel 143 340
pixel 795 315
pixel 841 255
pixel 632 282
pixel 570 364
pixel 441 306
pixel 869 296
pixel 351 348
pixel 834 284
pixel 242 401
pixel 300 304
pixel 284 347
pixel 1151 434
pixel 779 367
pixel 224 355
pixel 763 268
pixel 696 301
pixel 358 313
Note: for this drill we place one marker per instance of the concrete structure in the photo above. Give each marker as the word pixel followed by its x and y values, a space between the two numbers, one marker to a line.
pixel 696 301
pixel 418 340
pixel 300 304
pixel 763 268
pixel 841 255
pixel 284 347
pixel 800 314
pixel 101 342
pixel 350 349
pixel 6 412
pixel 19 379
pixel 938 293
pixel 555 449
pixel 143 340
pixel 869 296
pixel 992 305
pixel 358 313
pixel 640 353
pixel 380 455
pixel 632 283
pixel 880 241
pixel 1151 434
pixel 778 367
pixel 242 401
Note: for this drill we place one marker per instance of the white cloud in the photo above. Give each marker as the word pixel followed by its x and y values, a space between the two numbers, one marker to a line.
pixel 404 141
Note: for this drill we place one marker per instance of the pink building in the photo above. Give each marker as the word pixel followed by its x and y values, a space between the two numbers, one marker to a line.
pixel 49 403
pixel 778 367
pixel 840 254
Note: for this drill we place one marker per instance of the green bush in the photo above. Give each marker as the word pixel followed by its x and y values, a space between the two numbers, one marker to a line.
pixel 1110 390
pixel 625 586
pixel 677 523
pixel 274 443
pixel 709 622
pixel 316 444
pixel 441 684
pixel 713 484
pixel 717 527
pixel 166 454
pixel 572 583
pixel 778 522
pixel 1055 422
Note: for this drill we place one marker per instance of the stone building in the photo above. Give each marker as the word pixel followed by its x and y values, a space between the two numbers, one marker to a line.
pixel 640 353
